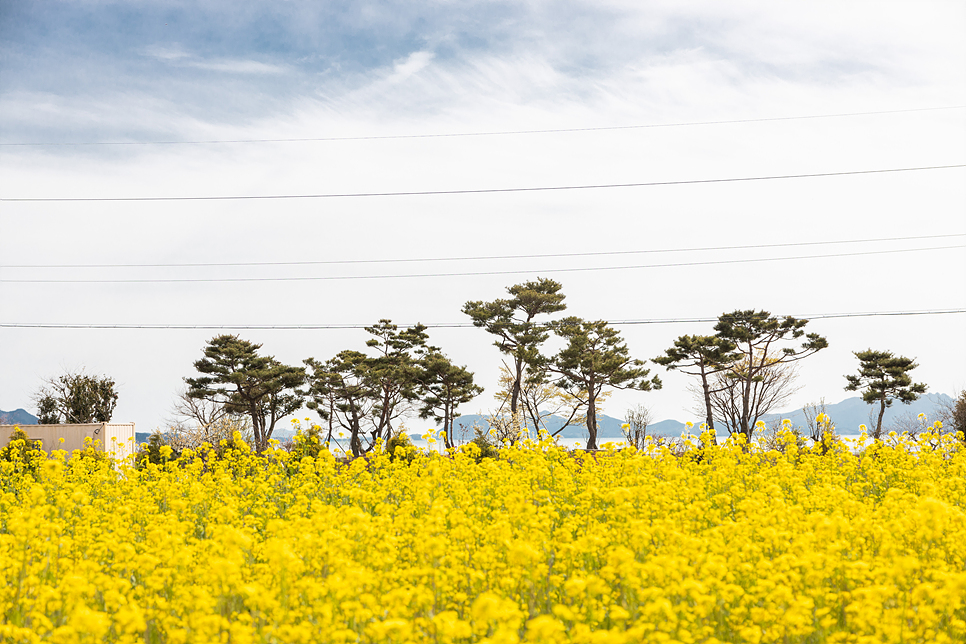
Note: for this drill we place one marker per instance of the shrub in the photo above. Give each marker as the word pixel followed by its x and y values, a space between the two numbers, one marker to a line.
pixel 400 447
pixel 155 451
pixel 306 442
pixel 23 454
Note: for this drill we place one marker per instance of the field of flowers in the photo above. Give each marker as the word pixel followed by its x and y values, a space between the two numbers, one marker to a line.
pixel 722 544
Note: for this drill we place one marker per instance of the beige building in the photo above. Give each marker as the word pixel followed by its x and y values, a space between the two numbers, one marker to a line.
pixel 114 438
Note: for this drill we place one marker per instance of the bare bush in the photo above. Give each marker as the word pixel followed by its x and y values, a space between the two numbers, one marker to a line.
pixel 636 421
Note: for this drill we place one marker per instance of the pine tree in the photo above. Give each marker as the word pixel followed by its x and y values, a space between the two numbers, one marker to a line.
pixel 757 336
pixel 511 320
pixel 596 357
pixel 445 386
pixel 702 356
pixel 883 378
pixel 247 383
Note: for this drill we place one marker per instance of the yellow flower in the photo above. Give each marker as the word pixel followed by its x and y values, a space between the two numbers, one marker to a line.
pixel 736 542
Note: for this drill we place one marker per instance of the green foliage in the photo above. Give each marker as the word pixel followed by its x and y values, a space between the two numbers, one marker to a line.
pixel 24 455
pixel 959 416
pixel 247 383
pixel 702 356
pixel 306 442
pixel 76 398
pixel 883 378
pixel 482 447
pixel 340 389
pixel 395 372
pixel 596 357
pixel 366 394
pixel 445 387
pixel 48 411
pixel 400 447
pixel 757 336
pixel 155 451
pixel 511 320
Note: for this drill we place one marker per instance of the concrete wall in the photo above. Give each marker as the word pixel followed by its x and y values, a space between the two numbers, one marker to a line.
pixel 115 438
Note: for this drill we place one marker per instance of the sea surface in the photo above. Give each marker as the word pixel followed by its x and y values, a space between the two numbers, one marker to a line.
pixel 571 443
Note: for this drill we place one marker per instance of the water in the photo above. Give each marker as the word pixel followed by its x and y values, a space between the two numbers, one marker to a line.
pixel 568 443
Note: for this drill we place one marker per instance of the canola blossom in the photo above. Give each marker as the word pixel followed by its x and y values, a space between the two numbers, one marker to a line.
pixel 729 543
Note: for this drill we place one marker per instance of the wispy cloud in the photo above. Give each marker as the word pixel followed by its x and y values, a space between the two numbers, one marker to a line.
pixel 237 66
pixel 180 57
pixel 480 61
pixel 166 54
pixel 412 64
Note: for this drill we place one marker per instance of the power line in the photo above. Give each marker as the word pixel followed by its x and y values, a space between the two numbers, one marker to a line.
pixel 412 193
pixel 441 325
pixel 472 273
pixel 495 133
pixel 490 257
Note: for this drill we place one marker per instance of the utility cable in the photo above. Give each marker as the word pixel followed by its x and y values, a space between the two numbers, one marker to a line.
pixel 412 193
pixel 441 325
pixel 496 133
pixel 473 273
pixel 491 257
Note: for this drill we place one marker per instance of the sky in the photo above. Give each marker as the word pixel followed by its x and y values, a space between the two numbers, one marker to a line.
pixel 106 100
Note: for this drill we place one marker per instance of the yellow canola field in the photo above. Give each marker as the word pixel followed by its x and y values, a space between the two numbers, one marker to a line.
pixel 724 544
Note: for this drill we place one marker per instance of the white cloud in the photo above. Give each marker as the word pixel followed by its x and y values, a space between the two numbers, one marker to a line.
pixel 178 56
pixel 164 53
pixel 752 64
pixel 412 64
pixel 238 66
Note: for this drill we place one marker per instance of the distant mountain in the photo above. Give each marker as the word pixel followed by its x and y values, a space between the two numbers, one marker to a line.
pixel 17 417
pixel 846 415
pixel 852 412
pixel 607 427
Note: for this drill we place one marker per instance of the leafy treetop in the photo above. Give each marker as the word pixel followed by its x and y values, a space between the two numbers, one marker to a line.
pixel 245 382
pixel 512 321
pixel 595 357
pixel 883 378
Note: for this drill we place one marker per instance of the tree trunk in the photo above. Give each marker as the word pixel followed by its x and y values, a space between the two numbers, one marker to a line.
pixel 746 428
pixel 517 386
pixel 328 438
pixel 354 441
pixel 878 424
pixel 256 426
pixel 591 417
pixel 707 405
pixel 448 437
pixel 384 423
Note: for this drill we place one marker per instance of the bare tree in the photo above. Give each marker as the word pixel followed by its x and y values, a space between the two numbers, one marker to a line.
pixel 768 391
pixel 196 421
pixel 909 423
pixel 812 412
pixel 192 436
pixel 200 411
pixel 539 400
pixel 759 336
pixel 636 421
pixel 951 412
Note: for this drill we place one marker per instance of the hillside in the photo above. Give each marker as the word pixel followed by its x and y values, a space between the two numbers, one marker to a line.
pixel 852 412
pixel 17 417
pixel 608 427
pixel 847 415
